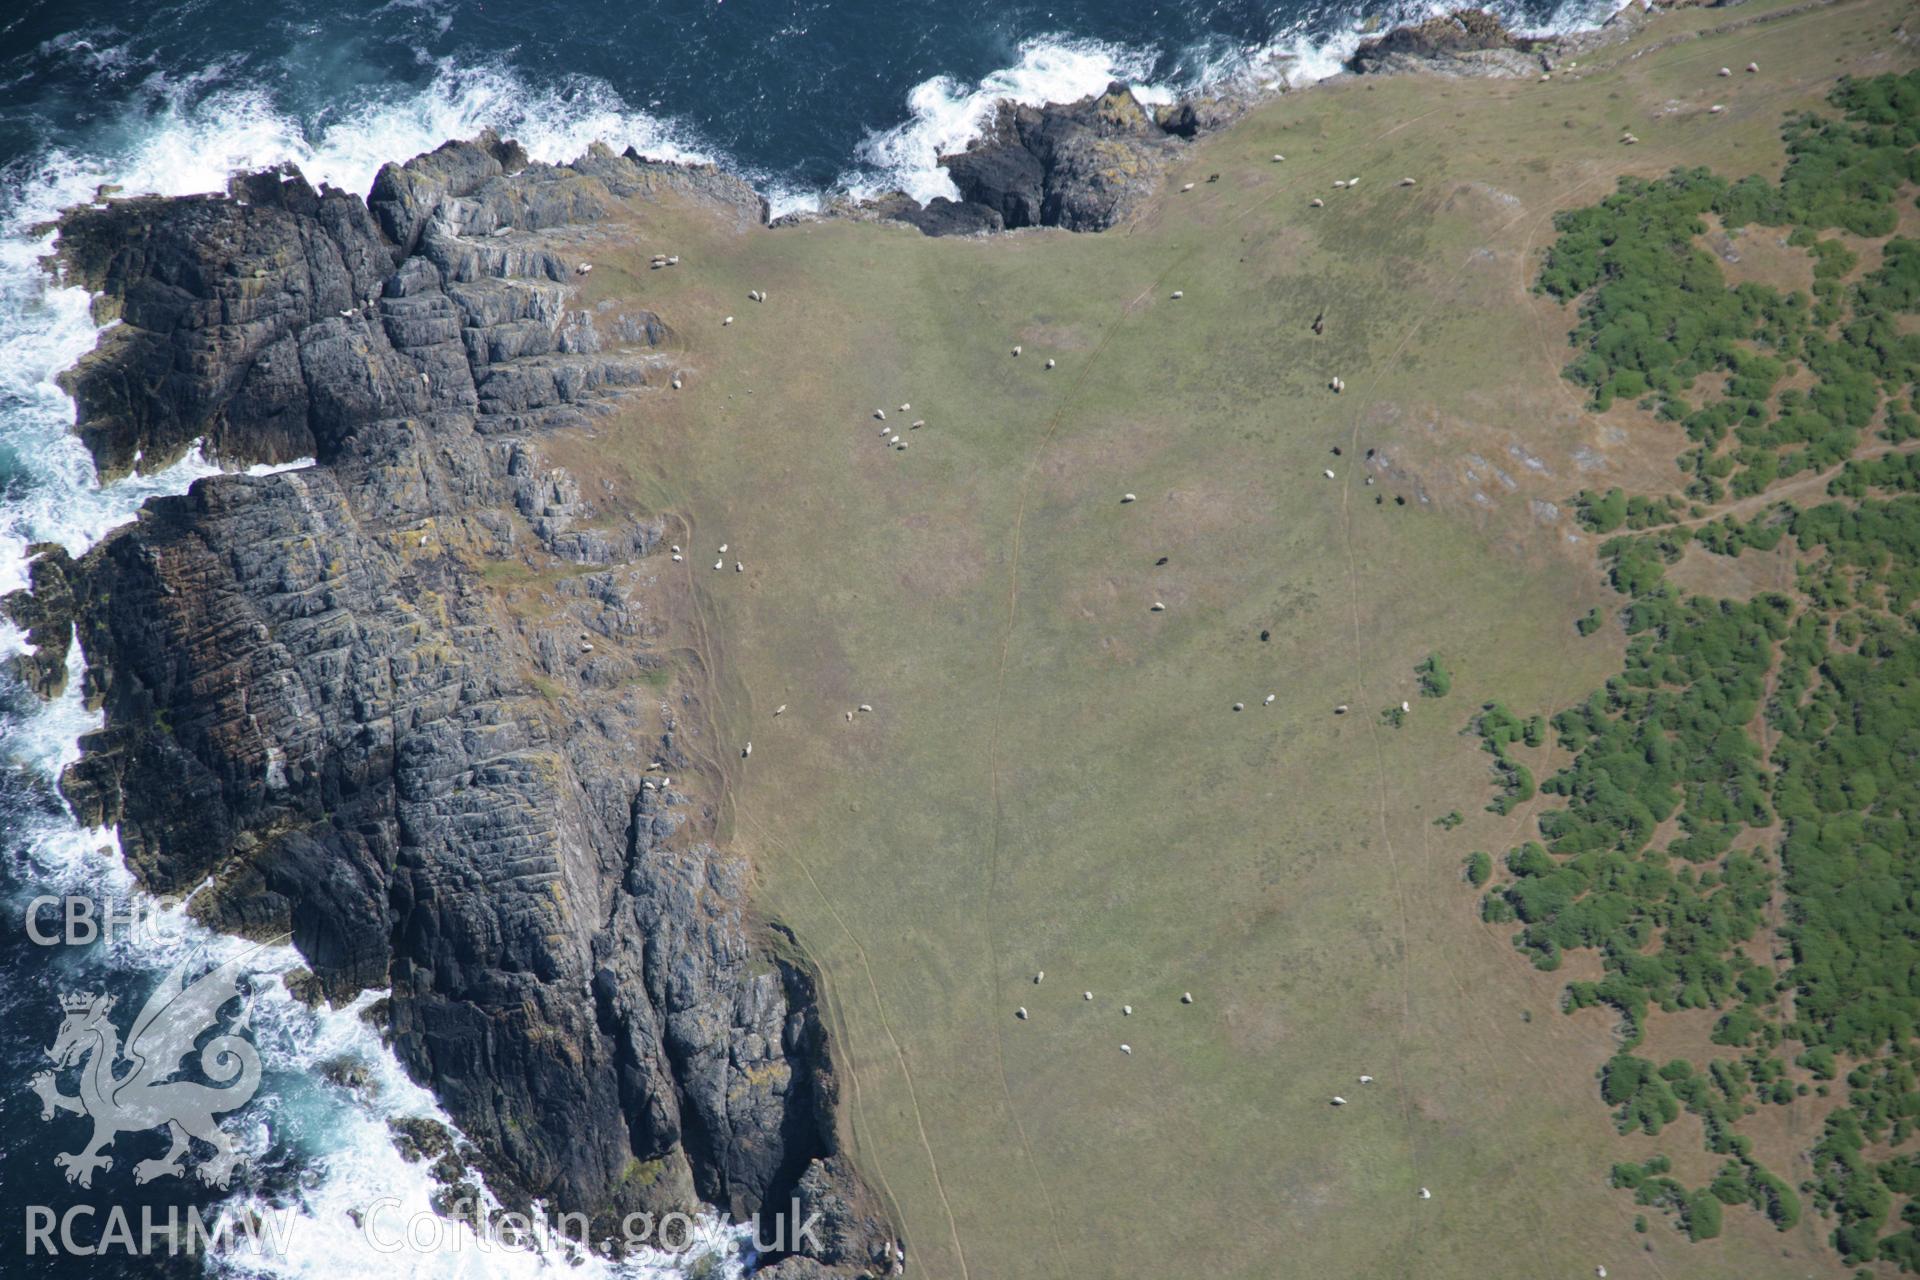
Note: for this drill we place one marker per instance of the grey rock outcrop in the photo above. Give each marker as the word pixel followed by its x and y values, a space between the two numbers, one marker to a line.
pixel 1466 42
pixel 1080 165
pixel 316 703
pixel 44 610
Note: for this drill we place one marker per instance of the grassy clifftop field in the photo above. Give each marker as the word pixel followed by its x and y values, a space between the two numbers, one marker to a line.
pixel 1105 739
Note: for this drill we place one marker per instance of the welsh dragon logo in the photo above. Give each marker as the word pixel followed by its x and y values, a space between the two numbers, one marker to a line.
pixel 130 1088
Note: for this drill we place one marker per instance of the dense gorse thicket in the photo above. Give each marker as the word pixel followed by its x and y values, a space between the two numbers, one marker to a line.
pixel 1737 824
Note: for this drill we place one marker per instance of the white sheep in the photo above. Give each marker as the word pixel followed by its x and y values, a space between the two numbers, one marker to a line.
pixel 1277 157
pixel 1186 997
pixel 1126 1011
pixel 1086 995
pixel 1127 1049
pixel 1127 497
pixel 917 424
pixel 1188 187
pixel 1039 977
pixel 1050 362
pixel 1425 1194
pixel 1339 1101
pixel 584 268
pixel 1316 203
pixel 1021 1013
pixel 1159 607
pixel 780 710
pixel 880 415
pixel 726 322
pixel 866 706
pixel 746 751
pixel 1016 351
pixel 1366 1079
pixel 1328 473
pixel 1270 698
pixel 1178 294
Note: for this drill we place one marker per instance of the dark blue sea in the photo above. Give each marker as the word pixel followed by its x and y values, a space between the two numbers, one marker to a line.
pixel 804 97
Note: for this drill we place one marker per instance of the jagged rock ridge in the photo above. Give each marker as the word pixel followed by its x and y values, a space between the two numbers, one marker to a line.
pixel 1084 166
pixel 315 703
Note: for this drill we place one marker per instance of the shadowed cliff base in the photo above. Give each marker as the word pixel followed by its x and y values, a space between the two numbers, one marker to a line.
pixel 321 701
pixel 409 699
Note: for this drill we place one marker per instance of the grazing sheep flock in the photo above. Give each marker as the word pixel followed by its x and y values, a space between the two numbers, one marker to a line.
pixel 893 440
pixel 1381 189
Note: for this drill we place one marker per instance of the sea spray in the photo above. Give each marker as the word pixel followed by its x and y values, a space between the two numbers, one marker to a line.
pixel 945 115
pixel 322 1136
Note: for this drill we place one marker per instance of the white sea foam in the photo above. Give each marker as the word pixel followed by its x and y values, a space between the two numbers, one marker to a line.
pixel 1318 45
pixel 48 493
pixel 944 115
pixel 197 136
pixel 338 1133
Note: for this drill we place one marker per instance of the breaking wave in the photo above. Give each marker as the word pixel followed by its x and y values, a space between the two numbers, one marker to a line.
pixel 330 1142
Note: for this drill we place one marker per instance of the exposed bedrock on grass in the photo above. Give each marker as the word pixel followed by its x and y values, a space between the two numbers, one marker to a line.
pixel 316 705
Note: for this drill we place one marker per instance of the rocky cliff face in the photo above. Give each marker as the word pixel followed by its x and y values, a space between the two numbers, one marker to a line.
pixel 1466 42
pixel 1080 165
pixel 317 704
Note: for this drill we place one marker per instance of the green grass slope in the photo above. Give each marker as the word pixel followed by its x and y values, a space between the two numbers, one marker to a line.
pixel 1054 777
